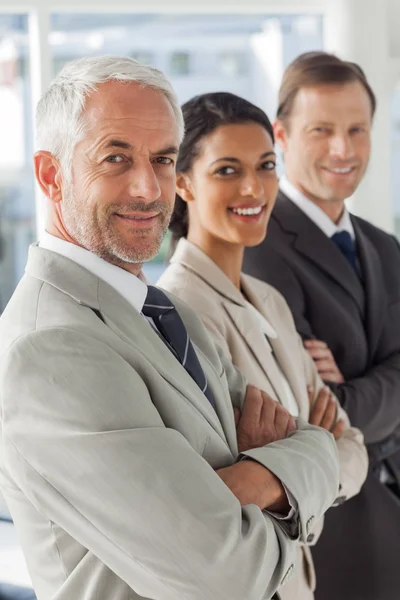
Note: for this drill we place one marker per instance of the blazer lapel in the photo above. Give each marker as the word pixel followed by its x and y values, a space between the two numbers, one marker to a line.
pixel 312 243
pixel 129 325
pixel 374 286
pixel 257 344
pixel 117 313
pixel 281 350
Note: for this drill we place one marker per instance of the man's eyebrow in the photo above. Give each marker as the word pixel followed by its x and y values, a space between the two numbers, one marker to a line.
pixel 118 144
pixel 115 143
pixel 236 160
pixel 167 150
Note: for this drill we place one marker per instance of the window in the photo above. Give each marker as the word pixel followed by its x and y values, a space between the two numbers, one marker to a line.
pixel 17 200
pixel 179 64
pixel 143 56
pixel 233 64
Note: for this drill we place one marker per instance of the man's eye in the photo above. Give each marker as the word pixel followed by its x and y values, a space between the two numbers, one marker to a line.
pixel 164 160
pixel 115 158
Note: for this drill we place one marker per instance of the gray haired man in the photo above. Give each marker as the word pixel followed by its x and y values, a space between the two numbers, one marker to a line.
pixel 120 457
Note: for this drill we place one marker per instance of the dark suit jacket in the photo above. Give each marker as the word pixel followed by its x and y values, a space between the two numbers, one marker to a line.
pixel 358 555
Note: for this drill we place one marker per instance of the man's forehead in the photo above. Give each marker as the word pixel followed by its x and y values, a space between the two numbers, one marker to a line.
pixel 122 105
pixel 331 97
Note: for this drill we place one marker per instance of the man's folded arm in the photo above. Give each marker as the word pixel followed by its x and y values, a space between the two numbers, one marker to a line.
pixel 372 401
pixel 84 442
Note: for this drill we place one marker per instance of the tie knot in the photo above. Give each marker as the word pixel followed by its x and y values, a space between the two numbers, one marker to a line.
pixel 344 241
pixel 157 303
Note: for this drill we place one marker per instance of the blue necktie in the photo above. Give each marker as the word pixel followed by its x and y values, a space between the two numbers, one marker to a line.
pixel 168 322
pixel 344 242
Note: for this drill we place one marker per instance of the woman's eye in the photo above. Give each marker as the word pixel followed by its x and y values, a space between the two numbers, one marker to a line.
pixel 115 158
pixel 226 171
pixel 269 165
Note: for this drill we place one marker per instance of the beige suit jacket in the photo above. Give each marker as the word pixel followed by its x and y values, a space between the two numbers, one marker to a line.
pixel 197 280
pixel 108 452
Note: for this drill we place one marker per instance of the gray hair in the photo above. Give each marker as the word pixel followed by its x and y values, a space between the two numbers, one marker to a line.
pixel 59 122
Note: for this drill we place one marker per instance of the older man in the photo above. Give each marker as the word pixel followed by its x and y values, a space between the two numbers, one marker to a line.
pixel 121 462
pixel 341 278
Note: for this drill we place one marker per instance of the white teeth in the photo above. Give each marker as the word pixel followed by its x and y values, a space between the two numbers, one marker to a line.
pixel 346 170
pixel 248 211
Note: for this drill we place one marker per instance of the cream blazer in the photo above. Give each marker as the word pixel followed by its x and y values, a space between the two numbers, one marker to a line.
pixel 197 280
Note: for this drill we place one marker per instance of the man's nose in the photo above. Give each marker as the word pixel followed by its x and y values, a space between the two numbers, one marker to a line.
pixel 341 146
pixel 144 183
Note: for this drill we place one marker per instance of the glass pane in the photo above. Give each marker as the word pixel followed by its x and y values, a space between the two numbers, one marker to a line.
pixel 17 202
pixel 242 54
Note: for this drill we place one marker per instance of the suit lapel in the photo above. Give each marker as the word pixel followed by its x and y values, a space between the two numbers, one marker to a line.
pixel 374 286
pixel 118 314
pixel 129 325
pixel 312 243
pixel 281 345
pixel 257 344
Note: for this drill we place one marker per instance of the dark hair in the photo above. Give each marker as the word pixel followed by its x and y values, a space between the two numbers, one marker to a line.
pixel 316 68
pixel 202 115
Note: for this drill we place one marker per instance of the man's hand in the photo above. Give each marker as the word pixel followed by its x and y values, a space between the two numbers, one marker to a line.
pixel 324 412
pixel 252 483
pixel 262 421
pixel 324 361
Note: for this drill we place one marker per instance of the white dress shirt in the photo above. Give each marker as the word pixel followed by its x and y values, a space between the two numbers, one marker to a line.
pixel 315 213
pixel 132 288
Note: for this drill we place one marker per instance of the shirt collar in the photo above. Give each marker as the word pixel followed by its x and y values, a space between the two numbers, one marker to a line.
pixel 315 213
pixel 132 288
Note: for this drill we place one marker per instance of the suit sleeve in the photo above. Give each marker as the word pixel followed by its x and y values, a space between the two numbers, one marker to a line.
pixel 83 440
pixel 353 458
pixel 373 403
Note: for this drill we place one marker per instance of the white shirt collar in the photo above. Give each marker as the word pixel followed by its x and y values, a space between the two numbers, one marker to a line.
pixel 314 212
pixel 132 288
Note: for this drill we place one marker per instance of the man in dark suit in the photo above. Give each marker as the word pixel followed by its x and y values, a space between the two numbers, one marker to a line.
pixel 341 278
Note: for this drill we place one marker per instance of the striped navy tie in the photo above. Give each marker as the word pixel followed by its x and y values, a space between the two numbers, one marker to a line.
pixel 168 322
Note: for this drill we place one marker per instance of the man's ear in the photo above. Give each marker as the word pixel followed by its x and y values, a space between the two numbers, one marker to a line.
pixel 48 174
pixel 280 134
pixel 184 187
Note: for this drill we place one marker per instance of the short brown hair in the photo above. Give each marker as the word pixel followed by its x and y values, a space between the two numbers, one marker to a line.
pixel 316 68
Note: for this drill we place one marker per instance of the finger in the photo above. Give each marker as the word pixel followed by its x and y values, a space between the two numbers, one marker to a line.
pixel 319 353
pixel 325 365
pixel 268 408
pixel 236 413
pixel 318 410
pixel 310 392
pixel 315 344
pixel 291 426
pixel 337 430
pixel 331 376
pixel 329 417
pixel 252 407
pixel 282 418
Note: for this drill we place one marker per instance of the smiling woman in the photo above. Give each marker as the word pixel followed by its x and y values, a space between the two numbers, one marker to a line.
pixel 226 189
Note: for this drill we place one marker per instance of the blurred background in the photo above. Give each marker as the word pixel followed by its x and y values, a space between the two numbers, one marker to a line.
pixel 212 45
pixel 208 46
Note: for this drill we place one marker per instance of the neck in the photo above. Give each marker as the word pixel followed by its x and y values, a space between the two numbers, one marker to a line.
pixel 332 208
pixel 62 234
pixel 228 257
